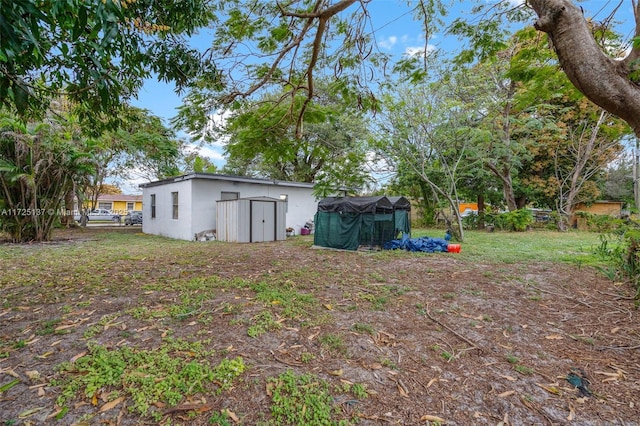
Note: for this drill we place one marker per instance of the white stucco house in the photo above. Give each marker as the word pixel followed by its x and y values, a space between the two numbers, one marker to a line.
pixel 184 207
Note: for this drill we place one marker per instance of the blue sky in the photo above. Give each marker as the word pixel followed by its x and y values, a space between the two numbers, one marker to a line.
pixel 396 32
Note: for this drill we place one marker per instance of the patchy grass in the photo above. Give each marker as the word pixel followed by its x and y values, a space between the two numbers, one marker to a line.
pixel 117 327
pixel 305 399
pixel 516 247
pixel 150 379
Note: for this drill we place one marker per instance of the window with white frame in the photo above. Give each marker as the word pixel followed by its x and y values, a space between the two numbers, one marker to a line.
pixel 104 205
pixel 153 206
pixel 174 204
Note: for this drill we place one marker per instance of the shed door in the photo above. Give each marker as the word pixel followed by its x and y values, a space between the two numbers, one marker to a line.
pixel 263 221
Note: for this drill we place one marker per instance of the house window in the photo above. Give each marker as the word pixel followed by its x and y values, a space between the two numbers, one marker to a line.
pixel 130 206
pixel 285 198
pixel 224 195
pixel 105 206
pixel 153 206
pixel 174 202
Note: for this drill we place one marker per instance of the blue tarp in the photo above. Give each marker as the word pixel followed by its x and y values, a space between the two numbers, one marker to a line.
pixel 423 244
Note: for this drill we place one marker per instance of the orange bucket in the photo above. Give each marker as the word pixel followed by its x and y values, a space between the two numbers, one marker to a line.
pixel 453 248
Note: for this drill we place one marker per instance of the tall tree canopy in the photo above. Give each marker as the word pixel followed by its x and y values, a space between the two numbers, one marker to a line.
pixel 427 130
pixel 533 126
pixel 262 44
pixel 99 51
pixel 39 165
pixel 332 151
pixel 611 83
pixel 95 53
pixel 141 147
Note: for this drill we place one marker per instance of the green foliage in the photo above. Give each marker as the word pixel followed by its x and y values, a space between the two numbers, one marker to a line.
pixel 486 39
pixel 512 359
pixel 359 390
pixel 202 165
pixel 621 252
pixel 168 374
pixel 282 295
pixel 331 153
pixel 472 221
pixel 262 323
pixel 333 343
pixel 363 328
pixel 522 369
pixel 446 355
pixel 517 220
pixel 97 53
pixel 302 400
pixel 38 165
pixel 599 222
pixel 42 163
pixel 426 130
pixel 141 142
pixel 220 419
pixel 48 326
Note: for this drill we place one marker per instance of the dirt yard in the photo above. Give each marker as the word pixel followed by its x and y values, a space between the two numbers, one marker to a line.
pixel 432 338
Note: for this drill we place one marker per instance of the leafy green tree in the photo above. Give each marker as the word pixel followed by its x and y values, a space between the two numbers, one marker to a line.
pixel 572 155
pixel 140 147
pixel 618 180
pixel 203 165
pixel 569 140
pixel 99 52
pixel 427 129
pixel 264 45
pixel 38 165
pixel 406 182
pixel 95 53
pixel 331 153
pixel 532 129
pixel 496 125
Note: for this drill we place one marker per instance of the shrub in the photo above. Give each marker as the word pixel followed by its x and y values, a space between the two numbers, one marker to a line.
pixel 598 222
pixel 518 220
pixel 622 257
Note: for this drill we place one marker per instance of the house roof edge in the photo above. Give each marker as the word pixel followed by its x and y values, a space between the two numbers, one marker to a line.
pixel 231 178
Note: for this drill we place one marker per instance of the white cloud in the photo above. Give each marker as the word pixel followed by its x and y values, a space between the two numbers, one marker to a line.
pixel 388 42
pixel 136 176
pixel 131 187
pixel 418 50
pixel 209 151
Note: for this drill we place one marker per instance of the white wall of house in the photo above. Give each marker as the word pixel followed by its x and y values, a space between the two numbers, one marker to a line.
pixel 198 193
pixel 164 224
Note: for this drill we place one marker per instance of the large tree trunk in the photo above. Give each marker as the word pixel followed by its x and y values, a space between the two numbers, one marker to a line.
pixel 67 218
pixel 481 207
pixel 507 184
pixel 603 80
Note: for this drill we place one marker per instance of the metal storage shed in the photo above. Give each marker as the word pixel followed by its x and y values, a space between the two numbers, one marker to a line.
pixel 251 220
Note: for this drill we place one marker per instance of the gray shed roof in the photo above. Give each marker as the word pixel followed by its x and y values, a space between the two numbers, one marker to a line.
pixel 231 178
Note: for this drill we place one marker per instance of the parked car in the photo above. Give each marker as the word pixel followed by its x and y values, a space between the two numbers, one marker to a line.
pixel 133 218
pixel 98 215
pixel 469 212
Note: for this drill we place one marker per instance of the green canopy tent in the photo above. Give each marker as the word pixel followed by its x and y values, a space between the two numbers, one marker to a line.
pixel 401 214
pixel 350 222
